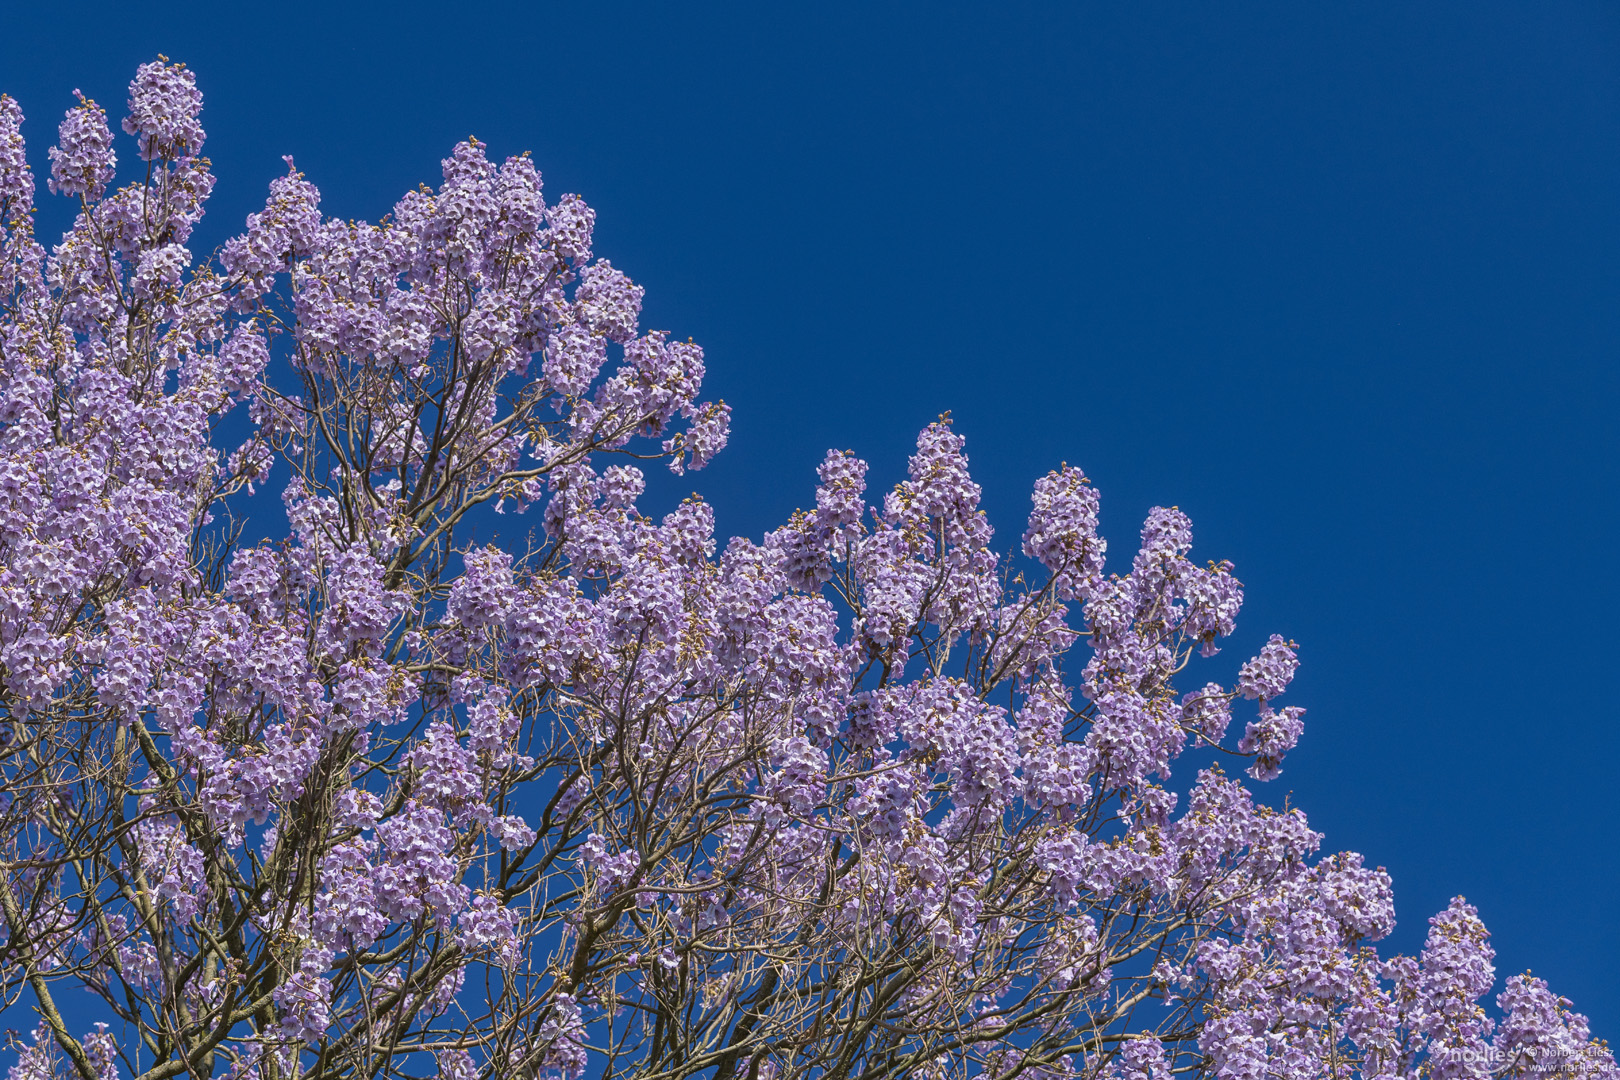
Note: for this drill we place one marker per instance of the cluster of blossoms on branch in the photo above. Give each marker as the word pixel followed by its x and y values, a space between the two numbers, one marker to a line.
pixel 860 800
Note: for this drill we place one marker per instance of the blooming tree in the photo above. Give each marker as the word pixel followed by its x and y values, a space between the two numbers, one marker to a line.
pixel 864 799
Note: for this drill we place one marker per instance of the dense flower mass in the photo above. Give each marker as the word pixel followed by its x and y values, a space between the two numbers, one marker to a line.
pixel 395 794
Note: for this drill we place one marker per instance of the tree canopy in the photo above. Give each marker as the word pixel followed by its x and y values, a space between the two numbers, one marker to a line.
pixel 865 798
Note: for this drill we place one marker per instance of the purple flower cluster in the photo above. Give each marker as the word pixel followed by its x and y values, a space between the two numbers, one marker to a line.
pixel 163 107
pixel 83 161
pixel 1062 533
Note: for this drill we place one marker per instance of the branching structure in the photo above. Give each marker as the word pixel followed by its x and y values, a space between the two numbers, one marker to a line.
pixel 859 801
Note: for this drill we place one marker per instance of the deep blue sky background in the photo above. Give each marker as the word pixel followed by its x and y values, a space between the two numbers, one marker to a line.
pixel 1342 281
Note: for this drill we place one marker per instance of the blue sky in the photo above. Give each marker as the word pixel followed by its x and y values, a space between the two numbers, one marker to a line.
pixel 1341 281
